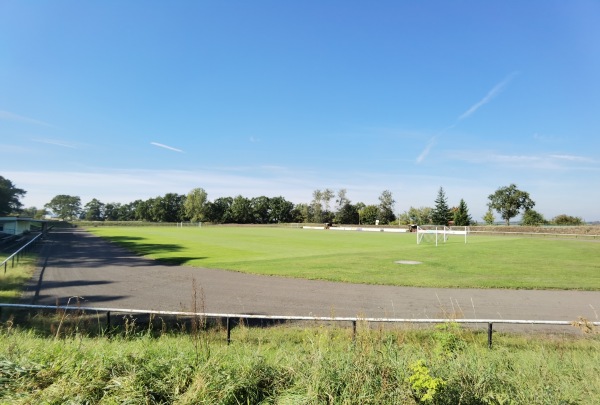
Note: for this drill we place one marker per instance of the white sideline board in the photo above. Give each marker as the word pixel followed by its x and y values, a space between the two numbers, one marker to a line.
pixel 358 229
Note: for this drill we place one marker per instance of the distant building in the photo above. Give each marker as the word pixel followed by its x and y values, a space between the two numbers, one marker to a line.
pixel 17 225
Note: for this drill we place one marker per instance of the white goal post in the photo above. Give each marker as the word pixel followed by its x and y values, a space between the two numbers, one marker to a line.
pixel 435 232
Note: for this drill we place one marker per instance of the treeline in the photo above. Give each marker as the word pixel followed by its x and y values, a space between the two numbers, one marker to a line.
pixel 326 206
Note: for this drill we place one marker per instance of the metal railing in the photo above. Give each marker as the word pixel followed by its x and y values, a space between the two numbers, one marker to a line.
pixel 230 317
pixel 20 252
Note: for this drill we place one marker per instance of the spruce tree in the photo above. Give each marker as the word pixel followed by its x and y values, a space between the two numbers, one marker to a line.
pixel 441 213
pixel 461 216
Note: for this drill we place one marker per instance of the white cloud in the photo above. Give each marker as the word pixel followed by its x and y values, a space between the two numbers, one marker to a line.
pixel 545 138
pixel 128 185
pixel 535 161
pixel 125 185
pixel 8 116
pixel 13 149
pixel 515 159
pixel 55 142
pixel 572 158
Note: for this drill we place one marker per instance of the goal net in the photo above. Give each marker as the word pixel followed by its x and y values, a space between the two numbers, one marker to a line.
pixel 438 233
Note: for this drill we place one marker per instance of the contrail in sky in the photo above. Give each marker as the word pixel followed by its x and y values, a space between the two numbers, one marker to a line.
pixel 497 89
pixel 488 97
pixel 160 145
pixel 425 152
pixel 57 143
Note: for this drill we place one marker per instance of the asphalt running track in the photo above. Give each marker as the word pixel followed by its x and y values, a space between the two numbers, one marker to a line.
pixel 75 263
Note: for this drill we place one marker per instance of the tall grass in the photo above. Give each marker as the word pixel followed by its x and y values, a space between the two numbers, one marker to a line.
pixel 293 365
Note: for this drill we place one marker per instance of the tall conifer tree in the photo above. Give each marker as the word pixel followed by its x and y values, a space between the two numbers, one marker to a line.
pixel 461 215
pixel 441 213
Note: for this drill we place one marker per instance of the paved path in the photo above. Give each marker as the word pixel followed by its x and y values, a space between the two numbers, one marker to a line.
pixel 76 263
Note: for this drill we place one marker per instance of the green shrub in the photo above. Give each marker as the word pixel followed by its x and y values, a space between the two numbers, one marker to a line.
pixel 426 388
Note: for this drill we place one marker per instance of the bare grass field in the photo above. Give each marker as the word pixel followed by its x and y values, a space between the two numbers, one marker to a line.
pixel 513 262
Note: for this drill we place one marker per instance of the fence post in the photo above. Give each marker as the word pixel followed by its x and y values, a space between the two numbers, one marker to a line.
pixel 490 331
pixel 354 330
pixel 228 331
pixel 108 321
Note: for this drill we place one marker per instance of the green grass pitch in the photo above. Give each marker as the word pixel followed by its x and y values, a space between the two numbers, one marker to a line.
pixel 369 257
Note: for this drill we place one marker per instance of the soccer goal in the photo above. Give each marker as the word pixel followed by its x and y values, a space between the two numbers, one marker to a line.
pixel 438 234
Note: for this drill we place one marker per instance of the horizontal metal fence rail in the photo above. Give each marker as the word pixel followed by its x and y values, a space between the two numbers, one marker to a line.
pixel 353 320
pixel 18 253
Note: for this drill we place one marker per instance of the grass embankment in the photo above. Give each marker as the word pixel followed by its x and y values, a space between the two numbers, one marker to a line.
pixel 361 257
pixel 11 282
pixel 288 365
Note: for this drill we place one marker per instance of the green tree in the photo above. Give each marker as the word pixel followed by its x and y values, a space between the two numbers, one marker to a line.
pixel 195 205
pixel 461 215
pixel 9 197
pixel 94 210
pixel 155 209
pixel 141 210
pixel 115 212
pixel 301 213
pixel 564 219
pixel 326 196
pixel 441 213
pixel 416 216
pixel 173 203
pixel 33 212
pixel 509 201
pixel 347 214
pixel 489 218
pixel 532 218
pixel 280 210
pixel 260 210
pixel 167 208
pixel 218 211
pixel 369 215
pixel 241 211
pixel 341 199
pixel 125 212
pixel 316 207
pixel 386 207
pixel 66 207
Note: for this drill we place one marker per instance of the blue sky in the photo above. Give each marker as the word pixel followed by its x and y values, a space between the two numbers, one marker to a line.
pixel 131 100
